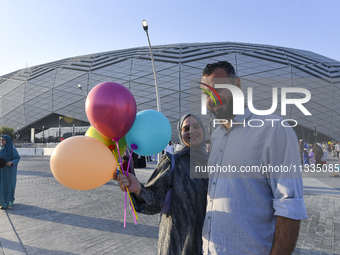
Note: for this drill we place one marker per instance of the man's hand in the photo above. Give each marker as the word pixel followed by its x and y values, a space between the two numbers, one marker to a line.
pixel 131 182
pixel 9 163
pixel 286 235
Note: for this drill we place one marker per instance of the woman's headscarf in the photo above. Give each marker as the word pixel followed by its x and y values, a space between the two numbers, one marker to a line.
pixel 6 151
pixel 198 155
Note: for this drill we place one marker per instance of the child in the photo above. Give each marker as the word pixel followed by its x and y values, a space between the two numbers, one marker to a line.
pixel 125 165
pixel 311 156
pixel 305 157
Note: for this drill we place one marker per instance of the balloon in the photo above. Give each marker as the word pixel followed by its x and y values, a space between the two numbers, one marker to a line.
pixel 329 142
pixel 92 132
pixel 151 132
pixel 82 163
pixel 122 146
pixel 111 109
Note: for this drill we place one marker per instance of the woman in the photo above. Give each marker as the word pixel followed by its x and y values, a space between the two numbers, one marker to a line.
pixel 8 174
pixel 180 232
pixel 325 151
pixel 318 154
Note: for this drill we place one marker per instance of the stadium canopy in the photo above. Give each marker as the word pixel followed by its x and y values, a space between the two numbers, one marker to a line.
pixel 37 96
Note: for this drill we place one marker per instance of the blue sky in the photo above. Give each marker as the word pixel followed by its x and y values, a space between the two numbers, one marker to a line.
pixel 38 31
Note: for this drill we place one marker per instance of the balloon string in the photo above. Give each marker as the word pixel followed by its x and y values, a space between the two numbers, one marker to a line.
pixel 128 167
pixel 120 159
pixel 126 188
pixel 114 154
pixel 125 210
pixel 135 216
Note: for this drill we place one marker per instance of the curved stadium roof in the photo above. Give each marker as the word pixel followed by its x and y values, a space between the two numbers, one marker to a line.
pixel 36 96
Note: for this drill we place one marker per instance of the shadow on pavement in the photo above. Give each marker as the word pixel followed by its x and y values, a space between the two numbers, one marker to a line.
pixel 33 249
pixel 84 221
pixel 35 173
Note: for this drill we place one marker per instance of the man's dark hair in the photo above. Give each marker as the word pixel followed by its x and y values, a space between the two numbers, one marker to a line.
pixel 226 66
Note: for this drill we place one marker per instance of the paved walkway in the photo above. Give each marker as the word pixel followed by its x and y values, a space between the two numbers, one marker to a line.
pixel 48 218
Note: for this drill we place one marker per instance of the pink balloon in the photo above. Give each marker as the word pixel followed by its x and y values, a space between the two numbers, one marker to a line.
pixel 111 109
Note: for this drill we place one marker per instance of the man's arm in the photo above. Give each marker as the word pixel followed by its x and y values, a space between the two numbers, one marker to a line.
pixel 286 235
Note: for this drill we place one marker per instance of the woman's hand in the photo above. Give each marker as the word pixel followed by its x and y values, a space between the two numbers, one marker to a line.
pixel 131 182
pixel 9 163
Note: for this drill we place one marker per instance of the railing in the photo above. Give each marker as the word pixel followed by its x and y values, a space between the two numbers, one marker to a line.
pixel 35 145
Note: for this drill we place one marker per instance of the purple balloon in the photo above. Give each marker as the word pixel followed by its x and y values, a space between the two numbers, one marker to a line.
pixel 111 109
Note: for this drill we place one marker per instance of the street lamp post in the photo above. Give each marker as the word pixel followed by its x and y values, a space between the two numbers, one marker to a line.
pixel 43 135
pixel 60 117
pixel 315 133
pixel 17 135
pixel 145 27
pixel 79 86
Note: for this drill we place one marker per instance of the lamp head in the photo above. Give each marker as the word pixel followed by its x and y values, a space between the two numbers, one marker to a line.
pixel 145 25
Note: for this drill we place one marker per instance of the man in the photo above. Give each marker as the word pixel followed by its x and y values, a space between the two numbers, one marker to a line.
pixel 257 215
pixel 337 149
pixel 169 148
pixel 178 147
pixel 333 148
pixel 301 147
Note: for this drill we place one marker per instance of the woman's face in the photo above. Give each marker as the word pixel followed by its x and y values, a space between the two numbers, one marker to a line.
pixel 3 141
pixel 192 132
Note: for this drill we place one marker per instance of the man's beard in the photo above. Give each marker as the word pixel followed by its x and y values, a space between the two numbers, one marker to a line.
pixel 226 114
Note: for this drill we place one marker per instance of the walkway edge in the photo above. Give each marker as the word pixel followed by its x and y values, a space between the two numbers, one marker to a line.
pixel 11 245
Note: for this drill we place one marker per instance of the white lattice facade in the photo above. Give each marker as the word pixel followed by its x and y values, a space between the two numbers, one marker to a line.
pixel 32 97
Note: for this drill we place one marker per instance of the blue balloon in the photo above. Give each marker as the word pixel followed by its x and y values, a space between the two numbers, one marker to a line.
pixel 151 132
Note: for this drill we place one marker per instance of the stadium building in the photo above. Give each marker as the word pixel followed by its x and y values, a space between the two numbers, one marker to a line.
pixel 47 96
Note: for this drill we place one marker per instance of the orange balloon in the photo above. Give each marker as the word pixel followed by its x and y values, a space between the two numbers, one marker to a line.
pixel 82 163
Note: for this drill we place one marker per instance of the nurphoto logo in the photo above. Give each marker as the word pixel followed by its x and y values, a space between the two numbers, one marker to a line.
pixel 238 102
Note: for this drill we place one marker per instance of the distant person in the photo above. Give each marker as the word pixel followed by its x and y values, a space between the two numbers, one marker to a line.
pixel 325 151
pixel 139 161
pixel 208 147
pixel 169 148
pixel 337 149
pixel 125 165
pixel 311 156
pixel 178 147
pixel 301 147
pixel 333 149
pixel 318 154
pixel 305 157
pixel 8 174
